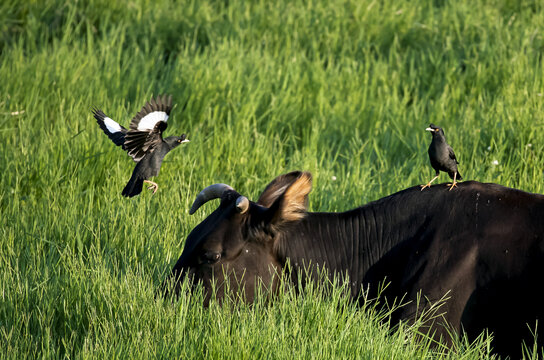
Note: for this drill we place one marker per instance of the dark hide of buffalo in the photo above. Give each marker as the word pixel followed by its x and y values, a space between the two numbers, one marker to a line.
pixel 480 245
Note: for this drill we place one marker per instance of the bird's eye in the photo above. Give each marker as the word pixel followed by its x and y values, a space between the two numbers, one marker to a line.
pixel 436 129
pixel 179 140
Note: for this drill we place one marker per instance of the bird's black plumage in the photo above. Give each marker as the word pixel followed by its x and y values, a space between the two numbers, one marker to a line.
pixel 442 156
pixel 115 132
pixel 143 141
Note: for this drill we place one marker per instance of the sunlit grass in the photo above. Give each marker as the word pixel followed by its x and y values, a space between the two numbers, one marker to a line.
pixel 342 89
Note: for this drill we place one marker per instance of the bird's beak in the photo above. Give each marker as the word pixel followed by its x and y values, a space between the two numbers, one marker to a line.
pixel 185 141
pixel 429 129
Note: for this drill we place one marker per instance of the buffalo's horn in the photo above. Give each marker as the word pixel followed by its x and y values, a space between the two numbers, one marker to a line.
pixel 211 192
pixel 242 204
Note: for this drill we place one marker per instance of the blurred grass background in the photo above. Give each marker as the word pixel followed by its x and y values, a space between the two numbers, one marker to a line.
pixel 343 89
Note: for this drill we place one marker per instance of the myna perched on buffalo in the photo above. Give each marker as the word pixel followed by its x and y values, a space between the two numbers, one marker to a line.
pixel 442 157
pixel 143 141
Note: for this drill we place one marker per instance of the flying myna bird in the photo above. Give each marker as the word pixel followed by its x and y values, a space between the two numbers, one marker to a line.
pixel 442 157
pixel 143 141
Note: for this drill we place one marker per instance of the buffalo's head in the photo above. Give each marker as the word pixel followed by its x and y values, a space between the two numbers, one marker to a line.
pixel 237 243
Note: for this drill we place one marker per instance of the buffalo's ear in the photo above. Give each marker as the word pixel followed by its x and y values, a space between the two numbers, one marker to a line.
pixel 287 197
pixel 277 187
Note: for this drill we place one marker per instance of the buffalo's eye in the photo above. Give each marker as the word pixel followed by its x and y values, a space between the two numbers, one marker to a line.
pixel 211 257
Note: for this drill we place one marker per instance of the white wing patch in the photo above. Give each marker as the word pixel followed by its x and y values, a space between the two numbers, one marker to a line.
pixel 149 121
pixel 111 125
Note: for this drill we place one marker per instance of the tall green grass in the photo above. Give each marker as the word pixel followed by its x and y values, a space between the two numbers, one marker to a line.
pixel 343 89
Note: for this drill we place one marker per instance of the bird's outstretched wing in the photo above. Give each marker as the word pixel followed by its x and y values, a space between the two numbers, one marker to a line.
pixel 452 154
pixel 115 132
pixel 147 126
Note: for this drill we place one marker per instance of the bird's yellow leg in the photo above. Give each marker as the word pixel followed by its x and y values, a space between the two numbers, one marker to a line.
pixel 428 185
pixel 454 184
pixel 153 186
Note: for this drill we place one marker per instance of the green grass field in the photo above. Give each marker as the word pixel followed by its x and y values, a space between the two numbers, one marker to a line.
pixel 343 89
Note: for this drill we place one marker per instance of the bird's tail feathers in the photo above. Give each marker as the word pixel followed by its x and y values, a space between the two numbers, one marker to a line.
pixel 458 177
pixel 134 187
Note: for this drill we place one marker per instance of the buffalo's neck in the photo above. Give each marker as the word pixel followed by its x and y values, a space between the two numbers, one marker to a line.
pixel 350 242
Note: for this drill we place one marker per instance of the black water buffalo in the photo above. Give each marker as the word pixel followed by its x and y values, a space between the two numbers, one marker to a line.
pixel 481 245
